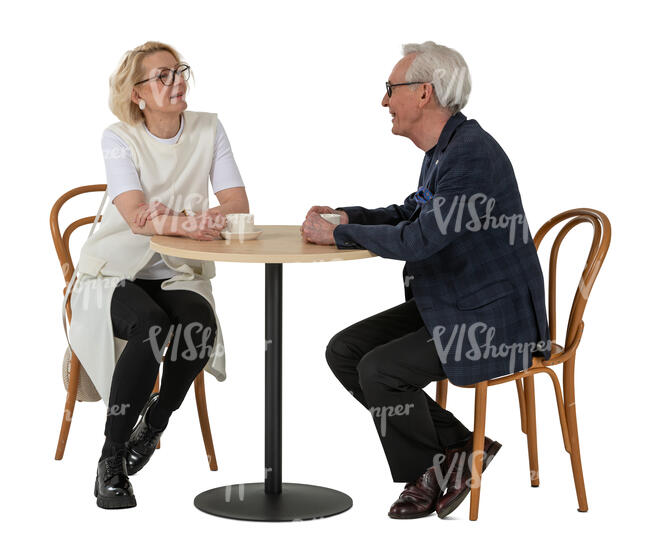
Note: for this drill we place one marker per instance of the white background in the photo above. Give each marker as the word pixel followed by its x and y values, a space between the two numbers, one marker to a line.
pixel 561 86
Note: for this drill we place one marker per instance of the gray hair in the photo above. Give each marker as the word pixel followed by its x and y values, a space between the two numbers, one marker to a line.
pixel 445 69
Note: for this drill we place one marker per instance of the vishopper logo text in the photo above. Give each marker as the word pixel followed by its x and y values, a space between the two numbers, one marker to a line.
pixel 474 342
pixel 116 409
pixel 480 218
pixel 389 411
pixel 455 85
pixel 94 290
pixel 178 202
pixel 460 461
pixel 187 332
pixel 188 224
pixel 116 153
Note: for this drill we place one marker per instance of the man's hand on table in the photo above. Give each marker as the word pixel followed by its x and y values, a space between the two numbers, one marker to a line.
pixel 317 230
pixel 328 210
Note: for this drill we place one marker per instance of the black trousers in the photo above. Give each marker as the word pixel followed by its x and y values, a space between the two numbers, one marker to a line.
pixel 385 361
pixel 148 318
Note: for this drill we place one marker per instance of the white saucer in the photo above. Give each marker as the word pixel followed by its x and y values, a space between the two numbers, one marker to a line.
pixel 228 235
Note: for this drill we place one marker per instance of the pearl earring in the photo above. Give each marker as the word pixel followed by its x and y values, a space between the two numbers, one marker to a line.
pixel 141 104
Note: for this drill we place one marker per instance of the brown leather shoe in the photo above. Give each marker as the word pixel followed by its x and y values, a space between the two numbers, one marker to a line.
pixel 458 471
pixel 418 499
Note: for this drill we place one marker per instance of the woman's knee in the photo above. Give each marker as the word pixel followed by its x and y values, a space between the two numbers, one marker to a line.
pixel 197 330
pixel 197 316
pixel 149 322
pixel 153 322
pixel 134 313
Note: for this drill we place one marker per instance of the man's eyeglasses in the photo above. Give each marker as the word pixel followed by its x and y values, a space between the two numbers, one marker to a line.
pixel 168 76
pixel 389 86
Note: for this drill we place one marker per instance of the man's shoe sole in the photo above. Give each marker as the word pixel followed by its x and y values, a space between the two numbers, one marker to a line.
pixel 113 503
pixel 422 514
pixel 487 458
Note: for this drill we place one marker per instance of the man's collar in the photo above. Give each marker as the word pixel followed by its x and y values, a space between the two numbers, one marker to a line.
pixel 448 130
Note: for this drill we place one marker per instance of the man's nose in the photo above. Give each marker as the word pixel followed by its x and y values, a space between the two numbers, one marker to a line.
pixel 384 100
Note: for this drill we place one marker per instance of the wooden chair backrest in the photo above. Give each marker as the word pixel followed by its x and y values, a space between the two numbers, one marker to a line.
pixel 597 252
pixel 62 241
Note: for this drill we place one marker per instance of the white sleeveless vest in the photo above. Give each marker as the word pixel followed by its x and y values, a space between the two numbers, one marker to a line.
pixel 176 175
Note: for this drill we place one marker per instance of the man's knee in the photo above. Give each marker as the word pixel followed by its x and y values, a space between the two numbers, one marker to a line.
pixel 338 351
pixel 368 369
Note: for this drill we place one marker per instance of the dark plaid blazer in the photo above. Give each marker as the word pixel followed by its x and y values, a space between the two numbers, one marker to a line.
pixel 471 264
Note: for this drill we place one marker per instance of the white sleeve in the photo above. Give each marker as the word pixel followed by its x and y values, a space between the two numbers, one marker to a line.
pixel 224 173
pixel 121 174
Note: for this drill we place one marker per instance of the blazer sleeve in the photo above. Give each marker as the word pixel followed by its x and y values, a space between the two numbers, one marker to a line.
pixel 447 215
pixel 390 215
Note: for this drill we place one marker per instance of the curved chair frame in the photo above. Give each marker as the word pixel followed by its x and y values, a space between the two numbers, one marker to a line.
pixel 565 395
pixel 62 246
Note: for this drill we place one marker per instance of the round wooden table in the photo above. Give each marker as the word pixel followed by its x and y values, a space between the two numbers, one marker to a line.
pixel 271 500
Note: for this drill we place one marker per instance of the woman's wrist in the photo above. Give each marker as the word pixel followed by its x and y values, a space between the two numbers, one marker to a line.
pixel 166 224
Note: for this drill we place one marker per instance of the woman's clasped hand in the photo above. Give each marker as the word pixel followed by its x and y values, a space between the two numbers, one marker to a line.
pixel 203 226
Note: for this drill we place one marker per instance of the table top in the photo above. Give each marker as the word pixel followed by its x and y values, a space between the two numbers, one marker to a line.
pixel 277 244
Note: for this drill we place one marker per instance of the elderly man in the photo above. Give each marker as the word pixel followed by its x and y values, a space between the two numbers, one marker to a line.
pixel 473 285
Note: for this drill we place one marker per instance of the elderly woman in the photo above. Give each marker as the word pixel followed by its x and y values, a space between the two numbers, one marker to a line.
pixel 158 158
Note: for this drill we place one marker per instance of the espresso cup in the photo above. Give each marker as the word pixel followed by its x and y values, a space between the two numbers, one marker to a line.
pixel 332 218
pixel 240 223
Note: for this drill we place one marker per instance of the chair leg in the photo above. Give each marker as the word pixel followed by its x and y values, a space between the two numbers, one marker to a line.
pixel 202 408
pixel 480 402
pixel 156 388
pixel 572 425
pixel 531 429
pixel 522 405
pixel 68 410
pixel 441 393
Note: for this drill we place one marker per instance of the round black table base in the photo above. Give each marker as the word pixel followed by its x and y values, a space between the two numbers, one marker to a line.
pixel 296 502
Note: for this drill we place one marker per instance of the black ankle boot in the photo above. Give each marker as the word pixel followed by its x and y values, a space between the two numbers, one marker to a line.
pixel 144 438
pixel 112 486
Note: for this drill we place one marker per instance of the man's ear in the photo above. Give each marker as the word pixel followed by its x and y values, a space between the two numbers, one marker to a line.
pixel 428 94
pixel 423 96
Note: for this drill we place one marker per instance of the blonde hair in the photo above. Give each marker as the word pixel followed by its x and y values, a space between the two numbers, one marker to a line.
pixel 129 72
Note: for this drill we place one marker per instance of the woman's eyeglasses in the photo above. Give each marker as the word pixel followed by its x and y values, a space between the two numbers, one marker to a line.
pixel 168 76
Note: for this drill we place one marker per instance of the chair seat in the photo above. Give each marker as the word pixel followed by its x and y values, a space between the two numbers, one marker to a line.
pixel 556 351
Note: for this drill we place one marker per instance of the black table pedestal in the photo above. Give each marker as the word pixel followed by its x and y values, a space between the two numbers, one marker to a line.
pixel 273 500
pixel 295 502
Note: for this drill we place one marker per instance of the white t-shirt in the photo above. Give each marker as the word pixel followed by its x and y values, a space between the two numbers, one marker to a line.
pixel 121 175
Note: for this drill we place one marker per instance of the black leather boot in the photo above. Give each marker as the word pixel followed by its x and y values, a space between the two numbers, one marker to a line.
pixel 112 486
pixel 144 438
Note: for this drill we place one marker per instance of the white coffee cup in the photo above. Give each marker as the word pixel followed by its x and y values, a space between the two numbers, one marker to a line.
pixel 332 218
pixel 240 223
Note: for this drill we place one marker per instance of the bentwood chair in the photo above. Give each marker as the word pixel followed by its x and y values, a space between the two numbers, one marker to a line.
pixel 565 355
pixel 62 246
